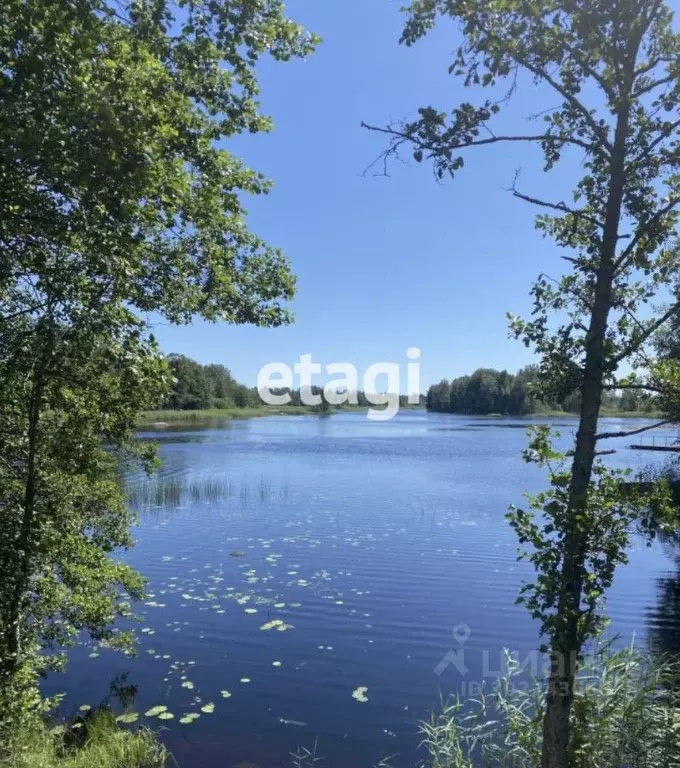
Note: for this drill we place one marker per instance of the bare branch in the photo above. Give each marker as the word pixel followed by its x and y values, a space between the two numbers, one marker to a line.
pixel 648 331
pixel 576 55
pixel 628 433
pixel 543 137
pixel 653 86
pixel 597 129
pixel 663 135
pixel 25 311
pixel 642 230
pixel 562 207
pixel 639 387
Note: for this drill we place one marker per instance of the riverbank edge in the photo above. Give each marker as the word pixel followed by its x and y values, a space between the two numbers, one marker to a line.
pixel 148 418
pixel 604 414
pixel 170 417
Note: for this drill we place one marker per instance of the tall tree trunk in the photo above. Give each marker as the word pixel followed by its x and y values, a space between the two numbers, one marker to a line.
pixel 25 541
pixel 566 643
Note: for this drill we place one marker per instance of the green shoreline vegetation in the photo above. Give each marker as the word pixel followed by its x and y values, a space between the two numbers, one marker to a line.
pixel 201 393
pixel 204 393
pixel 96 741
pixel 174 417
pixel 165 416
pixel 488 392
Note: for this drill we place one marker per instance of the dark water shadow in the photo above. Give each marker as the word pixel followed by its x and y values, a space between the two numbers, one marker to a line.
pixel 521 425
pixel 453 429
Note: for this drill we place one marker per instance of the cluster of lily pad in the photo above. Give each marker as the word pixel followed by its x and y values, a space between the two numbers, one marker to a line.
pixel 207 592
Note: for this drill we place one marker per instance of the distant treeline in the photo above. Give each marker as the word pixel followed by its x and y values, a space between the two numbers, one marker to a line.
pixel 360 397
pixel 488 391
pixel 202 387
pixel 199 387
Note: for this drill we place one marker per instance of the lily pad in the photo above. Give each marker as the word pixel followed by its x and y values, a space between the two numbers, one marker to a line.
pixel 155 711
pixel 225 694
pixel 360 694
pixel 189 718
pixel 128 718
pixel 271 625
pixel 208 708
pixel 165 716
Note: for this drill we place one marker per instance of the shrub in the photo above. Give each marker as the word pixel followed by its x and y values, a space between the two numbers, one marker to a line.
pixel 92 742
pixel 626 714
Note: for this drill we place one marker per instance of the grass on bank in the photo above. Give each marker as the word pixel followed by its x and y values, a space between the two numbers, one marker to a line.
pixel 151 418
pixel 216 414
pixel 99 742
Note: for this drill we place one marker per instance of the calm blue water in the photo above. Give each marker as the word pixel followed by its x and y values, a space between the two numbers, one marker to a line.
pixel 380 547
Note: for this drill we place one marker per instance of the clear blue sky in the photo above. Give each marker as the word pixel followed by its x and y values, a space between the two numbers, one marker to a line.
pixel 385 263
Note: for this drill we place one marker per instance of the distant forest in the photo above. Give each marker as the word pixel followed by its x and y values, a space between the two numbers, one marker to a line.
pixel 204 387
pixel 488 391
pixel 200 387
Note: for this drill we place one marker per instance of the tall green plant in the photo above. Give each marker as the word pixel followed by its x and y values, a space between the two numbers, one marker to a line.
pixel 625 714
pixel 116 199
pixel 609 73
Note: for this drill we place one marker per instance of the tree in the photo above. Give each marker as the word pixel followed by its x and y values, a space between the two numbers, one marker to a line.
pixel 116 200
pixel 458 397
pixel 481 392
pixel 196 386
pixel 610 72
pixel 191 388
pixel 667 341
pixel 439 397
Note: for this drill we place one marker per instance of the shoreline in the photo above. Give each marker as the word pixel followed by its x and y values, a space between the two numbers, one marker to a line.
pixel 174 418
pixel 171 418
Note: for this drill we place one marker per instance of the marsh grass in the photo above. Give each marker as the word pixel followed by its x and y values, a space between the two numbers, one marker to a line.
pixel 98 742
pixel 306 758
pixel 309 758
pixel 154 418
pixel 626 714
pixel 176 492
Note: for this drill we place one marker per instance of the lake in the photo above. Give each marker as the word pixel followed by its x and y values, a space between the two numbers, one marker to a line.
pixel 370 554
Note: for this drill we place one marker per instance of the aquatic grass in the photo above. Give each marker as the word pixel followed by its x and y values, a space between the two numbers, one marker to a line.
pixel 306 758
pixel 626 713
pixel 175 492
pixel 215 415
pixel 95 740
